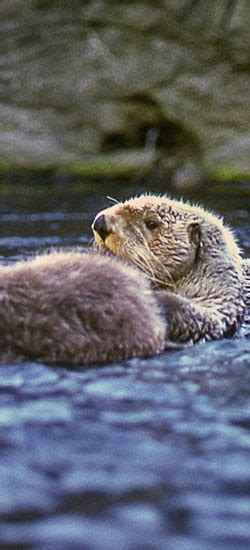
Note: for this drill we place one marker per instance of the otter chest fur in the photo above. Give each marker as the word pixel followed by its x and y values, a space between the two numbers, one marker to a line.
pixel 190 256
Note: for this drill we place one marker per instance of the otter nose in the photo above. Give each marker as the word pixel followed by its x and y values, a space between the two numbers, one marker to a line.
pixel 100 226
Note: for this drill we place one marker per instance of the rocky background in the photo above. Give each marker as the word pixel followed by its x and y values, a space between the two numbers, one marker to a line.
pixel 117 87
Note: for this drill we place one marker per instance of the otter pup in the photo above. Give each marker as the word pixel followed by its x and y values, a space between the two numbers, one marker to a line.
pixel 190 256
pixel 77 308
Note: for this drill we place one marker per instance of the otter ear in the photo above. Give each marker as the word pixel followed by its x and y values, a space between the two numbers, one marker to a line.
pixel 194 233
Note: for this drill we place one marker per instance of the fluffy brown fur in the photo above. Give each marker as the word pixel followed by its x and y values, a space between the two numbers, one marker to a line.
pixel 190 256
pixel 77 308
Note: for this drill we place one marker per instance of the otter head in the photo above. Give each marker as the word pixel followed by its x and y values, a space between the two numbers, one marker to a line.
pixel 156 234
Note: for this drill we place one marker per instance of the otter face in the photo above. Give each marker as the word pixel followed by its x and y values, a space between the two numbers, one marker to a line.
pixel 156 234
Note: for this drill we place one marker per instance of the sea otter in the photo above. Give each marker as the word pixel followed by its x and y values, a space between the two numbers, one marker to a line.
pixel 190 256
pixel 77 308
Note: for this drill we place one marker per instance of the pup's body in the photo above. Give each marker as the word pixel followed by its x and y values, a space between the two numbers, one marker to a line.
pixel 77 308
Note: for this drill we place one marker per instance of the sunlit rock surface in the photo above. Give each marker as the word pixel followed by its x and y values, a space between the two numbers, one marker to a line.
pixel 90 77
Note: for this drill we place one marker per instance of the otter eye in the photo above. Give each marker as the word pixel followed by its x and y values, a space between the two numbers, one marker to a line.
pixel 151 224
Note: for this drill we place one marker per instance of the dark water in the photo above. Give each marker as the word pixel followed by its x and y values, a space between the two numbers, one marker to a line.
pixel 148 454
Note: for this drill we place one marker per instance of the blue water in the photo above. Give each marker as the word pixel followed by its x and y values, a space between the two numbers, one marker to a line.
pixel 147 454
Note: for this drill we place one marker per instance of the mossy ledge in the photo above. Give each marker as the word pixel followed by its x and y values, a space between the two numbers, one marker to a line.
pixel 226 173
pixel 122 165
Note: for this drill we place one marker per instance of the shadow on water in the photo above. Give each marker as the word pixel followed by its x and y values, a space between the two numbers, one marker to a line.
pixel 144 454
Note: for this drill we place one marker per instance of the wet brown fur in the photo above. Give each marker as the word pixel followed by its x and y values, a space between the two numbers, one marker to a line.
pixel 77 308
pixel 191 258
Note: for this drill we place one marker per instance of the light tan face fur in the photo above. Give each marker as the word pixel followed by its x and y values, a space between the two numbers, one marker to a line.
pixel 158 235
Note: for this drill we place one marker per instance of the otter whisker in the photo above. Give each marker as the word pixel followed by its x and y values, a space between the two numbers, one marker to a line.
pixel 142 257
pixel 111 199
pixel 93 244
pixel 145 262
pixel 141 260
pixel 151 260
pixel 141 252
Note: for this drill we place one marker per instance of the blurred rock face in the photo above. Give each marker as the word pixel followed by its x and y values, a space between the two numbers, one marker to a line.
pixel 97 76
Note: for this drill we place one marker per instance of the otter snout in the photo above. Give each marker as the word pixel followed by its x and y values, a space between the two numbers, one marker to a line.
pixel 101 227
